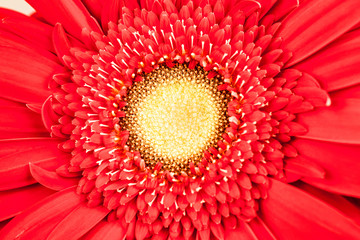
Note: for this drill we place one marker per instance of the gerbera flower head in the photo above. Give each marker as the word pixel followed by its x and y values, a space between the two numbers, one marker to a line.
pixel 177 119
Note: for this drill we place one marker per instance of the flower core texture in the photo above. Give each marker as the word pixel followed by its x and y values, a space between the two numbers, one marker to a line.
pixel 174 115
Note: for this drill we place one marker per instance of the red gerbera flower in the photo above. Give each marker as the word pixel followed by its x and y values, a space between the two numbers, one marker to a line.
pixel 203 119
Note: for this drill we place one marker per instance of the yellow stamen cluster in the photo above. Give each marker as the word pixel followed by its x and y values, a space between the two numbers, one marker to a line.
pixel 174 115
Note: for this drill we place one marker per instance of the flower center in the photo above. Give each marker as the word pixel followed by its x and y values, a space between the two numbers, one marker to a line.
pixel 174 115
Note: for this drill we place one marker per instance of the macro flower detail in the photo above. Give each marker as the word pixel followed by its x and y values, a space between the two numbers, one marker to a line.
pixel 180 120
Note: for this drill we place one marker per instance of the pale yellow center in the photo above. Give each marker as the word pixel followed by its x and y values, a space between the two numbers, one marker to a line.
pixel 174 115
pixel 178 120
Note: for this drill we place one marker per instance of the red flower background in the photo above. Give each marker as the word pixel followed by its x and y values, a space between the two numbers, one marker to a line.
pixel 286 165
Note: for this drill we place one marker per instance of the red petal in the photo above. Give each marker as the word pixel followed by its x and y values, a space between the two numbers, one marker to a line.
pixel 49 117
pixel 12 135
pixel 3 224
pixel 38 221
pixel 50 179
pixel 12 146
pixel 316 96
pixel 266 5
pixel 243 232
pixel 16 133
pixel 303 167
pixel 321 23
pixel 337 123
pixel 340 162
pixel 8 39
pixel 28 83
pixel 217 230
pixel 14 201
pixel 350 92
pixel 94 7
pixel 16 154
pixel 8 103
pixel 141 230
pixel 283 7
pixel 30 29
pixel 110 12
pixel 169 199
pixel 261 230
pixel 106 231
pixel 355 27
pixel 203 234
pixel 21 119
pixel 78 222
pixel 71 14
pixel 288 211
pixel 337 201
pixel 336 66
pixel 10 13
pixel 34 107
pixel 61 42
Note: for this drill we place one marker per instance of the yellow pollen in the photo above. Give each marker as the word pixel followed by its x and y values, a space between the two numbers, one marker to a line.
pixel 174 115
pixel 178 119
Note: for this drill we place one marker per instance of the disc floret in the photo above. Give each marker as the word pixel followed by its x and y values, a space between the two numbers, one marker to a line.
pixel 174 115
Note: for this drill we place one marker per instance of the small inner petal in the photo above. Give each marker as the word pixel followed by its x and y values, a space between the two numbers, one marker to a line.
pixel 174 115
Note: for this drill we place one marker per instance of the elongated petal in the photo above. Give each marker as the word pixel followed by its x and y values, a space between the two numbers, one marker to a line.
pixel 261 230
pixel 24 75
pixel 78 222
pixel 340 162
pixel 38 221
pixel 51 179
pixel 10 13
pixel 283 7
pixel 19 175
pixel 48 115
pixel 61 41
pixel 314 24
pixel 243 231
pixel 32 30
pixel 336 66
pixel 350 92
pixel 266 5
pixel 34 107
pixel 14 160
pixel 304 167
pixel 14 201
pixel 71 14
pixel 110 12
pixel 106 231
pixel 20 119
pixel 335 200
pixel 3 223
pixel 14 129
pixel 94 7
pixel 11 146
pixel 8 103
pixel 337 123
pixel 11 40
pixel 295 210
pixel 11 135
